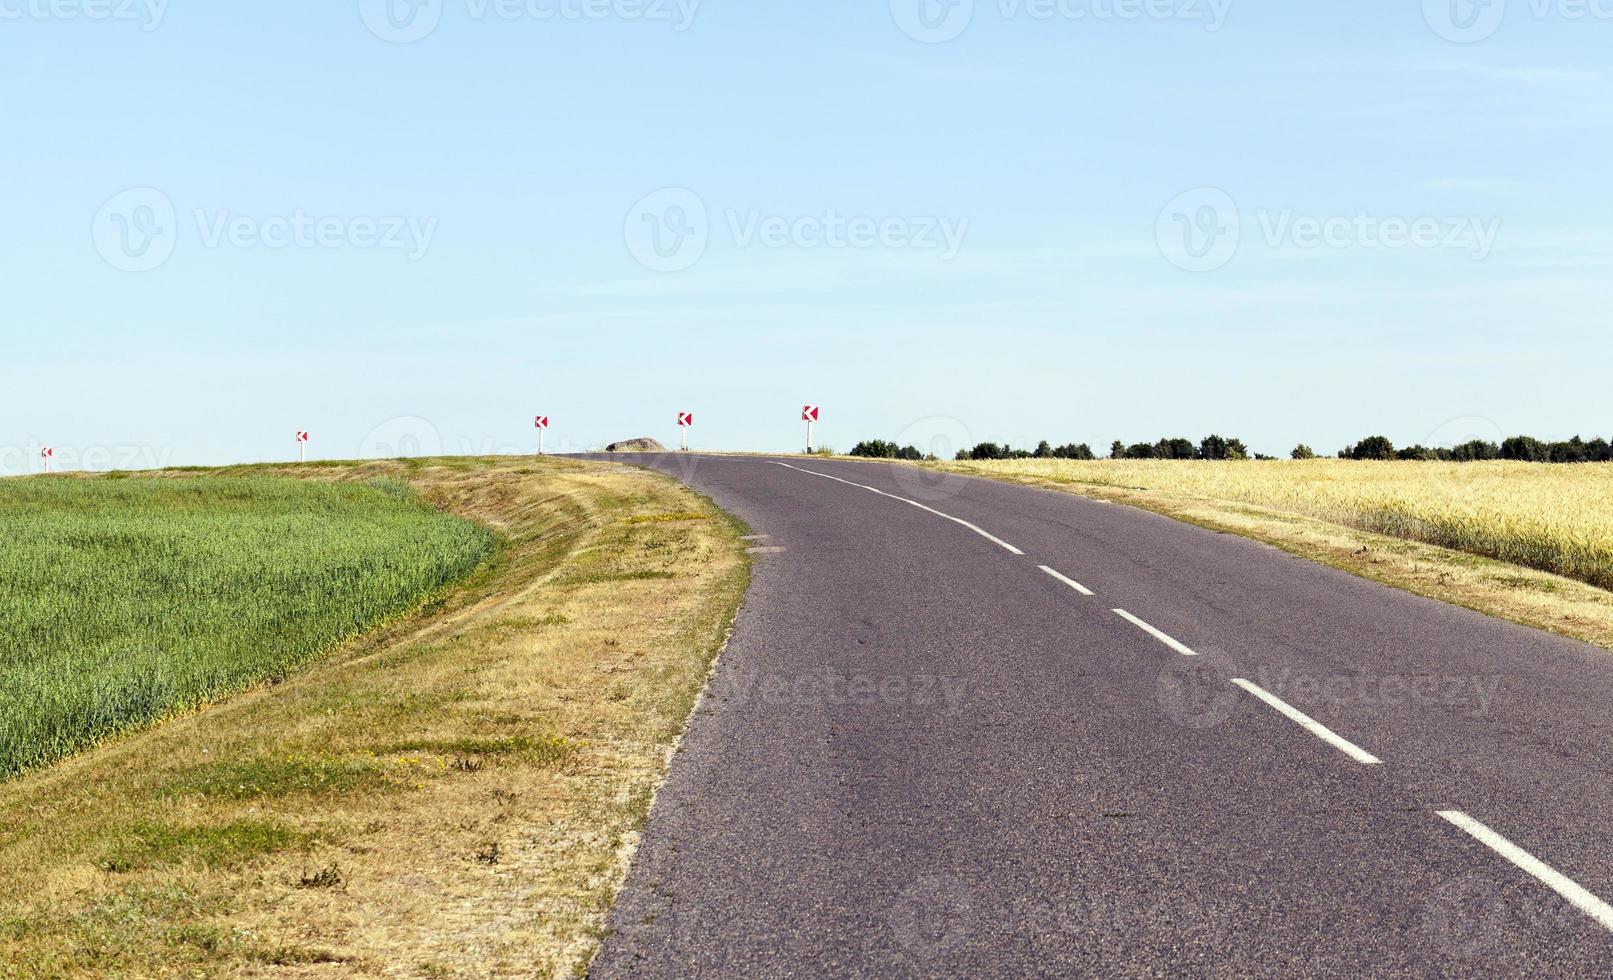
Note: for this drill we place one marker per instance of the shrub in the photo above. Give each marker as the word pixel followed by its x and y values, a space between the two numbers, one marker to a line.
pixel 1372 447
pixel 1302 451
pixel 1174 449
pixel 875 449
pixel 1422 453
pixel 1525 449
pixel 1572 451
pixel 1476 450
pixel 1216 447
pixel 1074 451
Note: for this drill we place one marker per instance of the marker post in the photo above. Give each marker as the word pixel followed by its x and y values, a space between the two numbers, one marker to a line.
pixel 302 446
pixel 685 423
pixel 809 414
pixel 542 425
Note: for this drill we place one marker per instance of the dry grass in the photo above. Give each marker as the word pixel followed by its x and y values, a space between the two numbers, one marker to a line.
pixel 1524 541
pixel 455 796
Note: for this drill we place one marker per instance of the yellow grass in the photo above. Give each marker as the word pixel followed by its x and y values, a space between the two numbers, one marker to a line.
pixel 455 795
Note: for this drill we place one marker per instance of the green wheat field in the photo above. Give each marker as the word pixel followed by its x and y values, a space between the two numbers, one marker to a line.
pixel 124 601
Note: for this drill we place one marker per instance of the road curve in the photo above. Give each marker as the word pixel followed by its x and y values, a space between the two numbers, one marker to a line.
pixel 970 728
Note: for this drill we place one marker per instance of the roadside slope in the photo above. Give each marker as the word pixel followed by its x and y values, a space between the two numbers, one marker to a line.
pixel 457 794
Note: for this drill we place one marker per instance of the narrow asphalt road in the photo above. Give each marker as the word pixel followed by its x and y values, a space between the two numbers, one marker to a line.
pixel 965 728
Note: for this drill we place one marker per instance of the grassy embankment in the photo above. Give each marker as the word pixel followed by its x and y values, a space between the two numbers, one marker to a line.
pixel 1530 542
pixel 454 793
pixel 123 601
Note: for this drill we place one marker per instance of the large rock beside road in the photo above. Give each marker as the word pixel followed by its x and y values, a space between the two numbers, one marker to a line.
pixel 645 445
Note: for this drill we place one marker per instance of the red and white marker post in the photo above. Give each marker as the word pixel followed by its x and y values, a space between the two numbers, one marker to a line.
pixel 809 415
pixel 302 445
pixel 542 425
pixel 685 423
pixel 47 454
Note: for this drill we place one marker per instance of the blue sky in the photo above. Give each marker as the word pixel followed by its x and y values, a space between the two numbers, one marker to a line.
pixel 1007 219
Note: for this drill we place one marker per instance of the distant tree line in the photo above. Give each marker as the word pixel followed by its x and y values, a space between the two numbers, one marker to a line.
pixel 880 449
pixel 1210 447
pixel 1213 447
pixel 1526 449
pixel 1043 450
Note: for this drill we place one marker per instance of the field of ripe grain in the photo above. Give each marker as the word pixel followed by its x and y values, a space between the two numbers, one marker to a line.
pixel 1555 518
pixel 123 601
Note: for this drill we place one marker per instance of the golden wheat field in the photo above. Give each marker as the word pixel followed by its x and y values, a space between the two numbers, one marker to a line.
pixel 1556 518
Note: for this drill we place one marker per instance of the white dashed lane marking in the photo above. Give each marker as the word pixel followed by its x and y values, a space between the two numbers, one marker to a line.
pixel 1072 583
pixel 1156 634
pixel 999 542
pixel 1310 724
pixel 1549 876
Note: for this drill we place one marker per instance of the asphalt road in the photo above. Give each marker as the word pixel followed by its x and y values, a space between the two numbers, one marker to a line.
pixel 924 755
